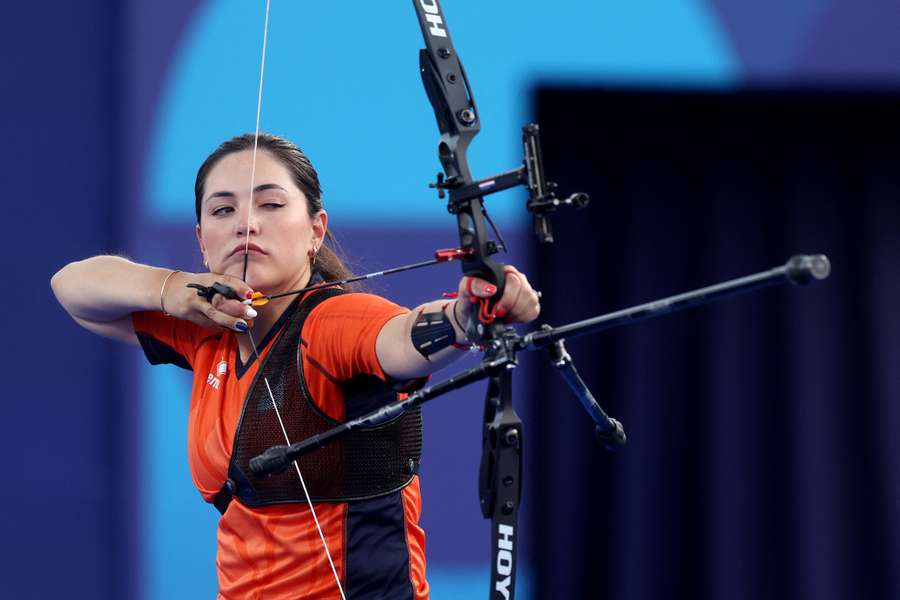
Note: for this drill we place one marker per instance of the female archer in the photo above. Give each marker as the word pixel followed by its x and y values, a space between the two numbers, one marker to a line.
pixel 343 522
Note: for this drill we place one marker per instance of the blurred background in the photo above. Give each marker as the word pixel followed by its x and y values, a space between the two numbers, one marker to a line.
pixel 715 137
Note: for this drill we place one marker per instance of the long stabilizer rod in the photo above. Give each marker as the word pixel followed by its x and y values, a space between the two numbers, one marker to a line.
pixel 799 270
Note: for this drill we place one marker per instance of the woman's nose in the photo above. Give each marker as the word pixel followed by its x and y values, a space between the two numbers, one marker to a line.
pixel 247 224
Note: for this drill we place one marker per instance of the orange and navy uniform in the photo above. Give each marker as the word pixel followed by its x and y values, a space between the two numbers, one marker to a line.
pixel 274 552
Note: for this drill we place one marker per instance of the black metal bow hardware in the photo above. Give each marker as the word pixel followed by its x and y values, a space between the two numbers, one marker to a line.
pixel 500 481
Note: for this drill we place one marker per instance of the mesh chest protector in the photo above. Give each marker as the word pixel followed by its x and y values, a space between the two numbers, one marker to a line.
pixel 365 464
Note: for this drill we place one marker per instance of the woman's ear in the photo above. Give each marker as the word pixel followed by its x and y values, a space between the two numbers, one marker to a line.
pixel 200 243
pixel 319 228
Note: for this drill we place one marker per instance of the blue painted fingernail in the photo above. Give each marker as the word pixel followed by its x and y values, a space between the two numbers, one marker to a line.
pixel 240 326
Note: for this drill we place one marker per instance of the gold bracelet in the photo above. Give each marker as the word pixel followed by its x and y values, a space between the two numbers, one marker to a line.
pixel 162 291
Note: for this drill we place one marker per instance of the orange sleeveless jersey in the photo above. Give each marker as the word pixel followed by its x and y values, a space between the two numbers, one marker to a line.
pixel 274 552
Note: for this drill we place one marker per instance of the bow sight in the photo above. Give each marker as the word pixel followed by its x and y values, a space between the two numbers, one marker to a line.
pixel 500 473
pixel 542 198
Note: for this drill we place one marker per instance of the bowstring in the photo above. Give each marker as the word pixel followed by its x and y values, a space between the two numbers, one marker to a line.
pixel 312 510
pixel 309 502
pixel 262 70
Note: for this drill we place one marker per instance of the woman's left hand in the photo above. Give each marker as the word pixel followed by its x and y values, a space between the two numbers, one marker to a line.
pixel 520 302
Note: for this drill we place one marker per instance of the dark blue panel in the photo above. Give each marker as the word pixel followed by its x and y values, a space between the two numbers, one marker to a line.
pixel 762 448
pixel 60 514
pixel 377 556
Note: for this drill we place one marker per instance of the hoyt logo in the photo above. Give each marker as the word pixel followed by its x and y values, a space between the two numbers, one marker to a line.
pixel 504 559
pixel 433 16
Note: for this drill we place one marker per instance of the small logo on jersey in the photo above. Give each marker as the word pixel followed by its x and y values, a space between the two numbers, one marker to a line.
pixel 213 381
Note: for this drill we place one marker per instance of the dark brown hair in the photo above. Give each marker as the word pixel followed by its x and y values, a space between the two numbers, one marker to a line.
pixel 328 262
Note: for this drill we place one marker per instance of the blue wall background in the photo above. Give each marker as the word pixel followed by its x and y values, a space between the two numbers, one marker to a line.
pixel 109 108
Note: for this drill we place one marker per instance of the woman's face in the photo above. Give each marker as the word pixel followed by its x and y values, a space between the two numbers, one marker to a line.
pixel 281 233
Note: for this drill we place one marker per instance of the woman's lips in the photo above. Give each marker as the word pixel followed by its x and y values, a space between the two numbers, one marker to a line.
pixel 251 249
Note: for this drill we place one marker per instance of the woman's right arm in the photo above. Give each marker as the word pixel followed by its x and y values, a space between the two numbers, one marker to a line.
pixel 101 293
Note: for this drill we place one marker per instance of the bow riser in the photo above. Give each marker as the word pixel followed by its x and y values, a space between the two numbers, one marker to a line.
pixel 447 87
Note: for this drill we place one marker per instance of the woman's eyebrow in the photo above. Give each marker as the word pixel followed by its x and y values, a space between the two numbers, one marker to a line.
pixel 224 194
pixel 260 188
pixel 268 186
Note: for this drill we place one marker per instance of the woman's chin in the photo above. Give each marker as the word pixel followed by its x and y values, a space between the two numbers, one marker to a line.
pixel 268 282
pixel 267 285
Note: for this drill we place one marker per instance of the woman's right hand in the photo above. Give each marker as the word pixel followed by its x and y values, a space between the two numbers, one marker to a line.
pixel 184 303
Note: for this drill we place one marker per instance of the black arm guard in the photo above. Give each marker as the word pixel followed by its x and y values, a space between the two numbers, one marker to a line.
pixel 432 332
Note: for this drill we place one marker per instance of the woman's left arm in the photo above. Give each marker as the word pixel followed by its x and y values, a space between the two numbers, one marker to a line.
pixel 405 356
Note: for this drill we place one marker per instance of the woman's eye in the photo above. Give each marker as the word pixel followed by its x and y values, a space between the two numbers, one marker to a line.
pixel 222 210
pixel 272 205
